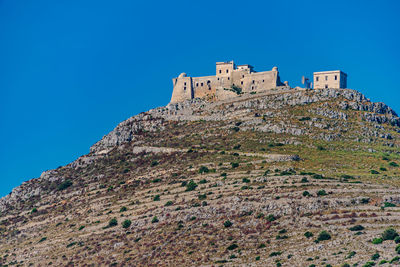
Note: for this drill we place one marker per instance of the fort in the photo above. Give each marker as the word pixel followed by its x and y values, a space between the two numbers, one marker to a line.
pixel 231 80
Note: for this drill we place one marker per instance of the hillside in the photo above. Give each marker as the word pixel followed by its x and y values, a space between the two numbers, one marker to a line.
pixel 283 178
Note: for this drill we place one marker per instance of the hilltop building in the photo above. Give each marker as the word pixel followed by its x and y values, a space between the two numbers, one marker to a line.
pixel 231 80
pixel 330 79
pixel 228 78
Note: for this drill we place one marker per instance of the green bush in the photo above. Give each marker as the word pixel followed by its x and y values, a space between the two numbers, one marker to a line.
pixel 232 246
pixel 306 194
pixel 377 241
pixel 154 220
pixel 389 234
pixel 123 209
pixel 374 172
pixel 321 193
pixel 323 235
pixel 191 186
pixel 382 169
pixel 203 181
pixel 228 224
pixel 375 256
pixel 356 228
pixel 262 245
pixel 271 218
pixel 246 180
pixel 203 169
pixel 304 180
pixel 126 223
pixel 156 198
pixel 389 205
pixel 169 203
pixel 275 253
pixel 112 222
pixel 34 210
pixel 64 185
pixel 234 164
pixel 308 234
pixel 154 163
pixel 393 164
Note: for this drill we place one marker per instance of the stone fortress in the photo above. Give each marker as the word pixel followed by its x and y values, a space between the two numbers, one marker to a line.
pixel 232 80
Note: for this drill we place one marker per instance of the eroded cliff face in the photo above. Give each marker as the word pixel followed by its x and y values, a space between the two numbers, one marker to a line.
pixel 276 165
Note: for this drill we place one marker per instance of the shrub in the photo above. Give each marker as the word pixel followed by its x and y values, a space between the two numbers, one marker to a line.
pixel 275 253
pixel 123 209
pixel 357 228
pixel 234 164
pixel 42 239
pixel 382 169
pixel 112 222
pixel 156 198
pixel 157 180
pixel 232 246
pixel 169 203
pixel 321 193
pixel 246 180
pixel 397 239
pixel 34 210
pixel 203 181
pixel 308 234
pixel 202 197
pixel 389 205
pixel 236 89
pixel 306 194
pixel 126 223
pixel 319 147
pixel 191 186
pixel 154 163
pixel 203 169
pixel 351 254
pixel 393 164
pixel 389 234
pixel 375 256
pixel 271 218
pixel 154 220
pixel 262 245
pixel 323 235
pixel 374 172
pixel 377 241
pixel 223 174
pixel 304 180
pixel 81 227
pixel 64 185
pixel 228 224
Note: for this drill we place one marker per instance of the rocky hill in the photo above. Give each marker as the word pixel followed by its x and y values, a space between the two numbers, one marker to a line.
pixel 281 178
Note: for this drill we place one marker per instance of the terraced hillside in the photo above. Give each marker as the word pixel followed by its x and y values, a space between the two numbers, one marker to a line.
pixel 284 178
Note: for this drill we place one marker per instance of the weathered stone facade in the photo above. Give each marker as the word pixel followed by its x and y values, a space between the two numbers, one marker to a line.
pixel 228 76
pixel 330 79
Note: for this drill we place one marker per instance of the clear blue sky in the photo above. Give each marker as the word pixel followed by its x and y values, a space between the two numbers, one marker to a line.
pixel 71 70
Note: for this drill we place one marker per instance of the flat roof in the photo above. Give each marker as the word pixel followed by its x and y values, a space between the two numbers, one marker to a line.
pixel 330 71
pixel 224 62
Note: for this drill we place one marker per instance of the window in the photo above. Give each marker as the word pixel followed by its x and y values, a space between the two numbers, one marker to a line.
pixel 227 71
pixel 219 71
pixel 335 77
pixel 218 79
pixel 316 78
pixel 263 80
pixel 326 78
pixel 228 78
pixel 184 88
pixel 184 83
pixel 253 81
pixel 241 82
pixel 201 84
pixel 242 76
pixel 197 84
pixel 208 82
pixel 326 86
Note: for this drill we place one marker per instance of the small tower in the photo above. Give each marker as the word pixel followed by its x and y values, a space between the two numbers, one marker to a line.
pixel 183 89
